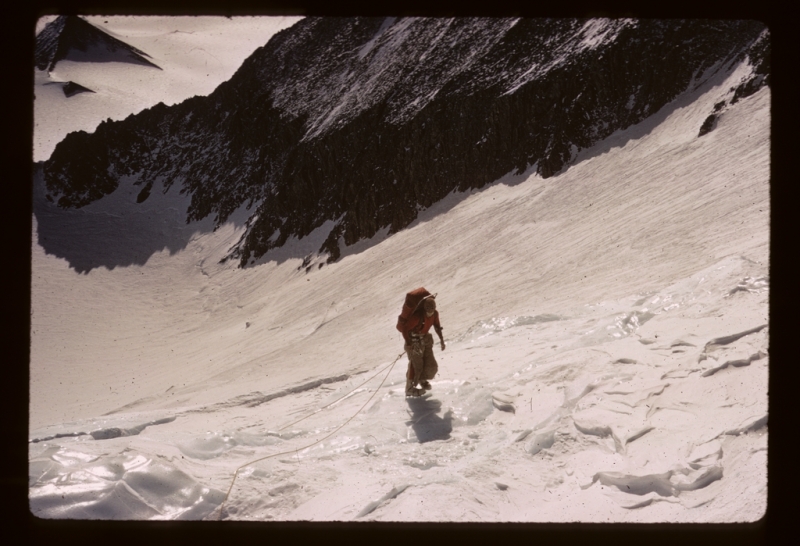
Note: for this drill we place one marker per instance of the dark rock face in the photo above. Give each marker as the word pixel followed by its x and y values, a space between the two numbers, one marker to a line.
pixel 364 121
pixel 71 88
pixel 757 55
pixel 708 125
pixel 69 34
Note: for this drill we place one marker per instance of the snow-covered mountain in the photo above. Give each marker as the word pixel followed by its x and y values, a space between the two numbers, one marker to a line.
pixel 400 113
pixel 69 37
pixel 195 54
pixel 607 325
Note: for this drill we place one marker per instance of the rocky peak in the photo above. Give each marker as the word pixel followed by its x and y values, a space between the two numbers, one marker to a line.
pixel 71 37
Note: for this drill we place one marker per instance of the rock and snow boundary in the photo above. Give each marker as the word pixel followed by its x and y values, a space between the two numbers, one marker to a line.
pixel 614 368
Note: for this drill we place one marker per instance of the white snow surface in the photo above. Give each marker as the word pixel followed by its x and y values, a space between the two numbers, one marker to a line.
pixel 607 333
pixel 195 55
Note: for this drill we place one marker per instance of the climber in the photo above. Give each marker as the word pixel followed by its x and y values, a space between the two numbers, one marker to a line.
pixel 422 365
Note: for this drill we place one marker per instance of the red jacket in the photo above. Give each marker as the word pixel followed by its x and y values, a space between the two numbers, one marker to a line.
pixel 419 323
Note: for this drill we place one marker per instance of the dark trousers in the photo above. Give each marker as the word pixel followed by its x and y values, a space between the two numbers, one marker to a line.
pixel 421 363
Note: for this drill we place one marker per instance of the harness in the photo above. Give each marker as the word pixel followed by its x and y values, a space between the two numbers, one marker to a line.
pixel 418 338
pixel 417 345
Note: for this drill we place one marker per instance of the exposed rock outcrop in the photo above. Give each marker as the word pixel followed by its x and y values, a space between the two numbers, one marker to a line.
pixel 364 121
pixel 71 37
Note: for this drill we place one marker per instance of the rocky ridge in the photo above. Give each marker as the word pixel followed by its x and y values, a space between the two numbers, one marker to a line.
pixel 69 36
pixel 363 122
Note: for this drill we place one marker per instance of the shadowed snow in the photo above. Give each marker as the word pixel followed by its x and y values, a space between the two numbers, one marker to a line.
pixel 607 353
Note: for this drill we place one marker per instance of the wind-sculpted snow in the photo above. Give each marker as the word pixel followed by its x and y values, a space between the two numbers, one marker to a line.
pixel 257 398
pixel 485 327
pixel 70 484
pixel 401 113
pixel 599 409
pixel 657 483
pixel 543 440
pixel 376 503
pixel 106 432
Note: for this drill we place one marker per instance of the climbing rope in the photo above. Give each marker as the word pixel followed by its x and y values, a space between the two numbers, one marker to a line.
pixel 236 473
pixel 340 398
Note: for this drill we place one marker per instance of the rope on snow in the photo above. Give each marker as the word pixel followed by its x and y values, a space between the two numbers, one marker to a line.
pixel 236 473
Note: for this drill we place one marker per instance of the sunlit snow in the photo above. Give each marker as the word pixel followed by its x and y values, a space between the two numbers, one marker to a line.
pixel 607 340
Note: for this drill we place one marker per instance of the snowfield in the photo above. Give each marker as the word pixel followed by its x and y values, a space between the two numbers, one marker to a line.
pixel 607 347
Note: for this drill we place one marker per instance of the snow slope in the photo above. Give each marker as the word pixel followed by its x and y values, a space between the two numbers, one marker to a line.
pixel 607 352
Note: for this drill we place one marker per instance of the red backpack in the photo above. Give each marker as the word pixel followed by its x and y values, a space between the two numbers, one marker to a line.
pixel 412 303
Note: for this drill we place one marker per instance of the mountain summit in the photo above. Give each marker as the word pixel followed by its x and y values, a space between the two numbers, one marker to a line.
pixel 69 37
pixel 353 125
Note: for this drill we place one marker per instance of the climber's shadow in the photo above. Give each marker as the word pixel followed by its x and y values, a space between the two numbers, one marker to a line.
pixel 426 422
